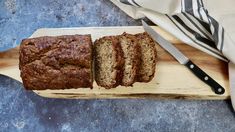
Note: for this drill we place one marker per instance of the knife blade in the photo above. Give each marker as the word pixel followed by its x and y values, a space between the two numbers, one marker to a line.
pixel 232 83
pixel 182 59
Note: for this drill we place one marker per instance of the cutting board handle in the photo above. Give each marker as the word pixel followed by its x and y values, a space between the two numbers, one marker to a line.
pixel 9 63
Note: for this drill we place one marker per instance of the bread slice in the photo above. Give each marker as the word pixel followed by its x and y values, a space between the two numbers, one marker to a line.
pixel 148 58
pixel 109 61
pixel 130 49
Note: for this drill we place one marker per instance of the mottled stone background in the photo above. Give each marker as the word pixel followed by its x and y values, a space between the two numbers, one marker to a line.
pixel 22 110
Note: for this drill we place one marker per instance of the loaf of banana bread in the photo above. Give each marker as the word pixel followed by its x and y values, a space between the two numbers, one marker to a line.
pixel 60 62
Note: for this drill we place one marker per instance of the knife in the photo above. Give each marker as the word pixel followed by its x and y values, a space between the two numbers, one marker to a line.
pixel 232 82
pixel 182 59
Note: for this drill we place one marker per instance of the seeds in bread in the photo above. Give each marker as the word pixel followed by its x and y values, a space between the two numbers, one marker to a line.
pixel 130 49
pixel 148 57
pixel 109 61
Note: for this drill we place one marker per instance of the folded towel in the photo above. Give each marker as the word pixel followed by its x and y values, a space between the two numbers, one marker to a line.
pixel 204 24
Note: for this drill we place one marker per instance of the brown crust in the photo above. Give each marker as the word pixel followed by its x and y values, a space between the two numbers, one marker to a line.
pixel 60 62
pixel 135 60
pixel 118 65
pixel 140 77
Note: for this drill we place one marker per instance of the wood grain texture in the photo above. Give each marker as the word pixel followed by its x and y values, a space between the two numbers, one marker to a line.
pixel 172 80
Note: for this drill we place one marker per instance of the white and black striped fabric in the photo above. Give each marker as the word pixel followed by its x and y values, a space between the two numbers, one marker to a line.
pixel 195 22
pixel 130 2
pixel 212 31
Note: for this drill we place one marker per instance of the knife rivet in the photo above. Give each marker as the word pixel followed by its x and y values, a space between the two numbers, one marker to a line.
pixel 206 78
pixel 219 89
pixel 191 66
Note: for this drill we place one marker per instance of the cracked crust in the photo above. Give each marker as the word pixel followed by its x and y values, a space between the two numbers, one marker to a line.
pixel 60 62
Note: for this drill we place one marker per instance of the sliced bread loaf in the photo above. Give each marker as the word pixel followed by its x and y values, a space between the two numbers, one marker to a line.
pixel 148 57
pixel 130 49
pixel 109 61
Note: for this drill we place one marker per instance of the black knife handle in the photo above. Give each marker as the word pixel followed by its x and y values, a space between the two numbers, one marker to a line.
pixel 217 88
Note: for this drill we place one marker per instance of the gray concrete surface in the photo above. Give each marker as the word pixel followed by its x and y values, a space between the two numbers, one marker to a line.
pixel 22 110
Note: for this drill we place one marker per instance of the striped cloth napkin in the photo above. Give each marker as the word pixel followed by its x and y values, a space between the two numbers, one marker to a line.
pixel 208 25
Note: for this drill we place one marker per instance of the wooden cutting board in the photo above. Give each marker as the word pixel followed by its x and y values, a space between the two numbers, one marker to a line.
pixel 172 80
